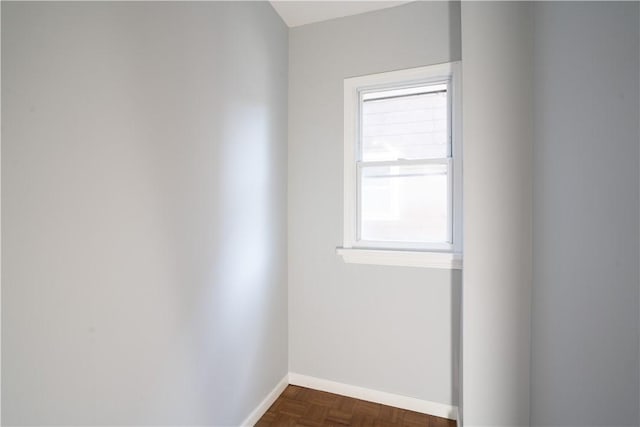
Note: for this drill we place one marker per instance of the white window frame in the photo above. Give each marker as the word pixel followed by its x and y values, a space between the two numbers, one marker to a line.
pixel 435 255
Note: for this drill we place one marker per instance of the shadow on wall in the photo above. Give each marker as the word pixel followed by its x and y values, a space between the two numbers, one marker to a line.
pixel 456 340
pixel 455 48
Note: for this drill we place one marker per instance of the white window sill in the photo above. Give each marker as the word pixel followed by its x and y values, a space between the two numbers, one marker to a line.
pixel 444 260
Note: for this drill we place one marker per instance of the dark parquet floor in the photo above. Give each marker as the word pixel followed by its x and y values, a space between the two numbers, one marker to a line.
pixel 299 406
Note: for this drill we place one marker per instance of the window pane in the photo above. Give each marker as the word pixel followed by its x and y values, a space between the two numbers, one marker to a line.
pixel 404 203
pixel 409 123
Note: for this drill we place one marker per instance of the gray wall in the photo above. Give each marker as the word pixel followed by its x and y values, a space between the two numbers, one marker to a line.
pixel 585 295
pixel 392 329
pixel 498 138
pixel 143 212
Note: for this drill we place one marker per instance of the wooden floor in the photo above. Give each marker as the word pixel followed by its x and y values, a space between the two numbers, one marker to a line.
pixel 299 406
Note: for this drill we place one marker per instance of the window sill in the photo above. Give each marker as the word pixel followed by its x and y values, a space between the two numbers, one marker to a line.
pixel 444 260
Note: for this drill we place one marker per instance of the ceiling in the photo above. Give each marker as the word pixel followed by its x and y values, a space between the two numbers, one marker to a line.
pixel 301 12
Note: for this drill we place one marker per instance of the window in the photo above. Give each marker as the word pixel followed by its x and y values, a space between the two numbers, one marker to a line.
pixel 402 167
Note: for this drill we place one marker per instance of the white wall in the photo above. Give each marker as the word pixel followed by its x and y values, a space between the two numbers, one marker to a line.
pixel 392 329
pixel 143 212
pixel 585 362
pixel 497 131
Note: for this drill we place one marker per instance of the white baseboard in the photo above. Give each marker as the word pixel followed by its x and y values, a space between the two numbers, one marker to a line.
pixel 399 401
pixel 257 413
pixel 404 402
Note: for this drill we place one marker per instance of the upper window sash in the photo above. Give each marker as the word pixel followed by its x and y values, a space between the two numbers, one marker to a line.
pixel 423 93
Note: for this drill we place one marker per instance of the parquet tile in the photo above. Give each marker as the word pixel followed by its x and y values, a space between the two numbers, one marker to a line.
pixel 299 406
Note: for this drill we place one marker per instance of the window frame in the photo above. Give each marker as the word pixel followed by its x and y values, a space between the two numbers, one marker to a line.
pixel 354 87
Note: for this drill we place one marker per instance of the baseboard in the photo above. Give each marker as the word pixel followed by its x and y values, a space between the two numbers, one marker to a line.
pixel 260 410
pixel 399 401
pixel 404 402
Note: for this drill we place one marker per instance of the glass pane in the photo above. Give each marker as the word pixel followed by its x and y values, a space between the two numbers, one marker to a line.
pixel 408 123
pixel 404 203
